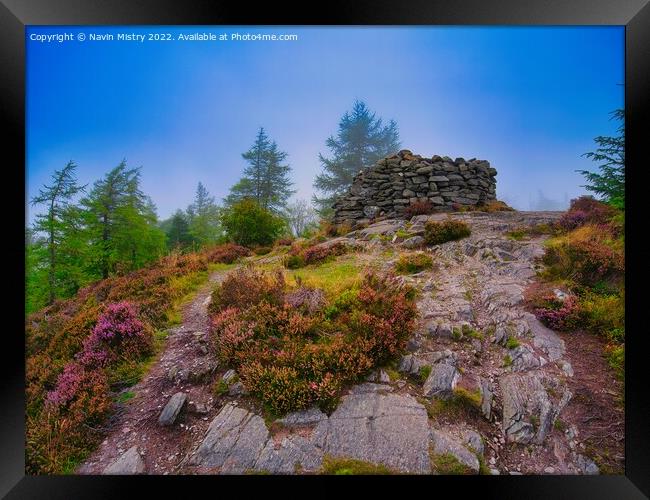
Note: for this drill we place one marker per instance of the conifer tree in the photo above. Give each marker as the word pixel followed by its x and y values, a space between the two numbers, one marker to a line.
pixel 58 224
pixel 362 139
pixel 266 177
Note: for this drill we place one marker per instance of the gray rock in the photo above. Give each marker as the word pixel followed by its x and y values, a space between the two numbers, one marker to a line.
pixel 237 389
pixel 586 465
pixel 529 410
pixel 441 381
pixel 413 242
pixel 294 453
pixel 307 417
pixel 378 427
pixel 486 397
pixel 228 376
pixel 233 441
pixel 444 443
pixel 523 358
pixel 545 339
pixel 172 409
pixel 473 441
pixel 127 464
pixel 410 364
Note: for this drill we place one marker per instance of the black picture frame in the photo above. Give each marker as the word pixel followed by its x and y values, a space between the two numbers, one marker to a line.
pixel 15 15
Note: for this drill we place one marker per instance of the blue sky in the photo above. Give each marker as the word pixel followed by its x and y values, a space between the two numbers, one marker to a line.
pixel 528 99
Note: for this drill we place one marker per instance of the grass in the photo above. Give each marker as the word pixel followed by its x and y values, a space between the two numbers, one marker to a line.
pixel 220 388
pixel 465 397
pixel 447 464
pixel 340 466
pixel 411 263
pixel 424 373
pixel 512 343
pixel 332 277
pixel 456 333
pixel 124 397
pixel 507 361
pixel 517 234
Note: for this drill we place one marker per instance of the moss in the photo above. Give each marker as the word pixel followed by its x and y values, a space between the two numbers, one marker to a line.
pixel 393 374
pixel 512 343
pixel 483 469
pixel 424 372
pixel 534 420
pixel 448 464
pixel 341 466
pixel 413 263
pixel 456 333
pixel 507 361
pixel 559 425
pixel 466 397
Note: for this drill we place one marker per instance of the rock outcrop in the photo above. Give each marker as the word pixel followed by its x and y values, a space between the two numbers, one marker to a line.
pixel 395 182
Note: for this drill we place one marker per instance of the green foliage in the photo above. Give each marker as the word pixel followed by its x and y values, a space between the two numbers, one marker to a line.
pixel 362 139
pixel 121 224
pixel 512 343
pixel 249 224
pixel 507 361
pixel 448 464
pixel 341 466
pixel 177 230
pixel 266 179
pixel 436 233
pixel 424 372
pixel 466 397
pixel 203 218
pixel 53 266
pixel 412 263
pixel 609 183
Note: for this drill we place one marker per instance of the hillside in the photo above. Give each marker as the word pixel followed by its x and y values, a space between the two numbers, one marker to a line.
pixel 480 386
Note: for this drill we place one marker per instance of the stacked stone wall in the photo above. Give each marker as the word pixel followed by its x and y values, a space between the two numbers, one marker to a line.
pixel 395 182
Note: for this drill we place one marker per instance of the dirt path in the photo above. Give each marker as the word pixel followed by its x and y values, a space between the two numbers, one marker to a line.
pixel 184 366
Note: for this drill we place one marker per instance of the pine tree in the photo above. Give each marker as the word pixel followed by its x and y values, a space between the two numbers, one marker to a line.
pixel 362 139
pixel 57 224
pixel 120 222
pixel 610 182
pixel 266 177
pixel 203 216
pixel 178 231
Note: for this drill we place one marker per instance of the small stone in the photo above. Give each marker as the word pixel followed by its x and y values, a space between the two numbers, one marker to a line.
pixel 237 389
pixel 172 409
pixel 228 375
pixel 549 470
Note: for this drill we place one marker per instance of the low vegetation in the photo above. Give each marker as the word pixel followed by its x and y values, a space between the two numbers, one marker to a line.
pixel 448 464
pixel 424 207
pixel 436 233
pixel 84 350
pixel 490 206
pixel 300 256
pixel 339 466
pixel 411 263
pixel 292 355
pixel 587 258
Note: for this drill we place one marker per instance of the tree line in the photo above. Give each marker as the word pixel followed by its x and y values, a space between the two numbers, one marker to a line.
pixel 85 233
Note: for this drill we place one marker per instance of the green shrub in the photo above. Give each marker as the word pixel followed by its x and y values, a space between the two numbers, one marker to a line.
pixel 411 263
pixel 248 224
pixel 424 373
pixel 436 233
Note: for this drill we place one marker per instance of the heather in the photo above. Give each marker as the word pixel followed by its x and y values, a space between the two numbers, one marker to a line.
pixel 80 350
pixel 314 254
pixel 436 233
pixel 586 257
pixel 297 348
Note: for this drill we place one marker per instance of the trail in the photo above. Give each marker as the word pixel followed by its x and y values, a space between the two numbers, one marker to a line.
pixel 184 365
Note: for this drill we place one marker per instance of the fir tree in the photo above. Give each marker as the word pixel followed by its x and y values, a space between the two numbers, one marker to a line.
pixel 609 184
pixel 266 177
pixel 362 139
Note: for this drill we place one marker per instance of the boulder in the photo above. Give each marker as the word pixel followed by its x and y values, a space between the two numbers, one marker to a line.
pixel 127 464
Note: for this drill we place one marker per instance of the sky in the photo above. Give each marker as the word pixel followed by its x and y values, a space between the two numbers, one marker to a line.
pixel 530 100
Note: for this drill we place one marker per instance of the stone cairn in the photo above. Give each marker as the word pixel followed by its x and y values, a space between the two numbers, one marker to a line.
pixel 393 183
